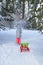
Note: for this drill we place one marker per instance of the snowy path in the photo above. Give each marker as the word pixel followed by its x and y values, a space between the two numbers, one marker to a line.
pixel 10 55
pixel 10 52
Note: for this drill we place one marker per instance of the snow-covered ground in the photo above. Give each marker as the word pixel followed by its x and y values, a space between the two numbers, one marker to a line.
pixel 10 51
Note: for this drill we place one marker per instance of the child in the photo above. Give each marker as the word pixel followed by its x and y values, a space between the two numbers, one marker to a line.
pixel 18 34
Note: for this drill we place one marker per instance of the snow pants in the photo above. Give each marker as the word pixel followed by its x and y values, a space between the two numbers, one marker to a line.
pixel 18 40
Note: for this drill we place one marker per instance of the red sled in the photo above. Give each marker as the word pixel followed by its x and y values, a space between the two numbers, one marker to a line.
pixel 18 40
pixel 24 48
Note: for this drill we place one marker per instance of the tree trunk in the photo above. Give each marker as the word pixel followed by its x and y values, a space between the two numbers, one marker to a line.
pixel 23 10
pixel 6 4
pixel 28 5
